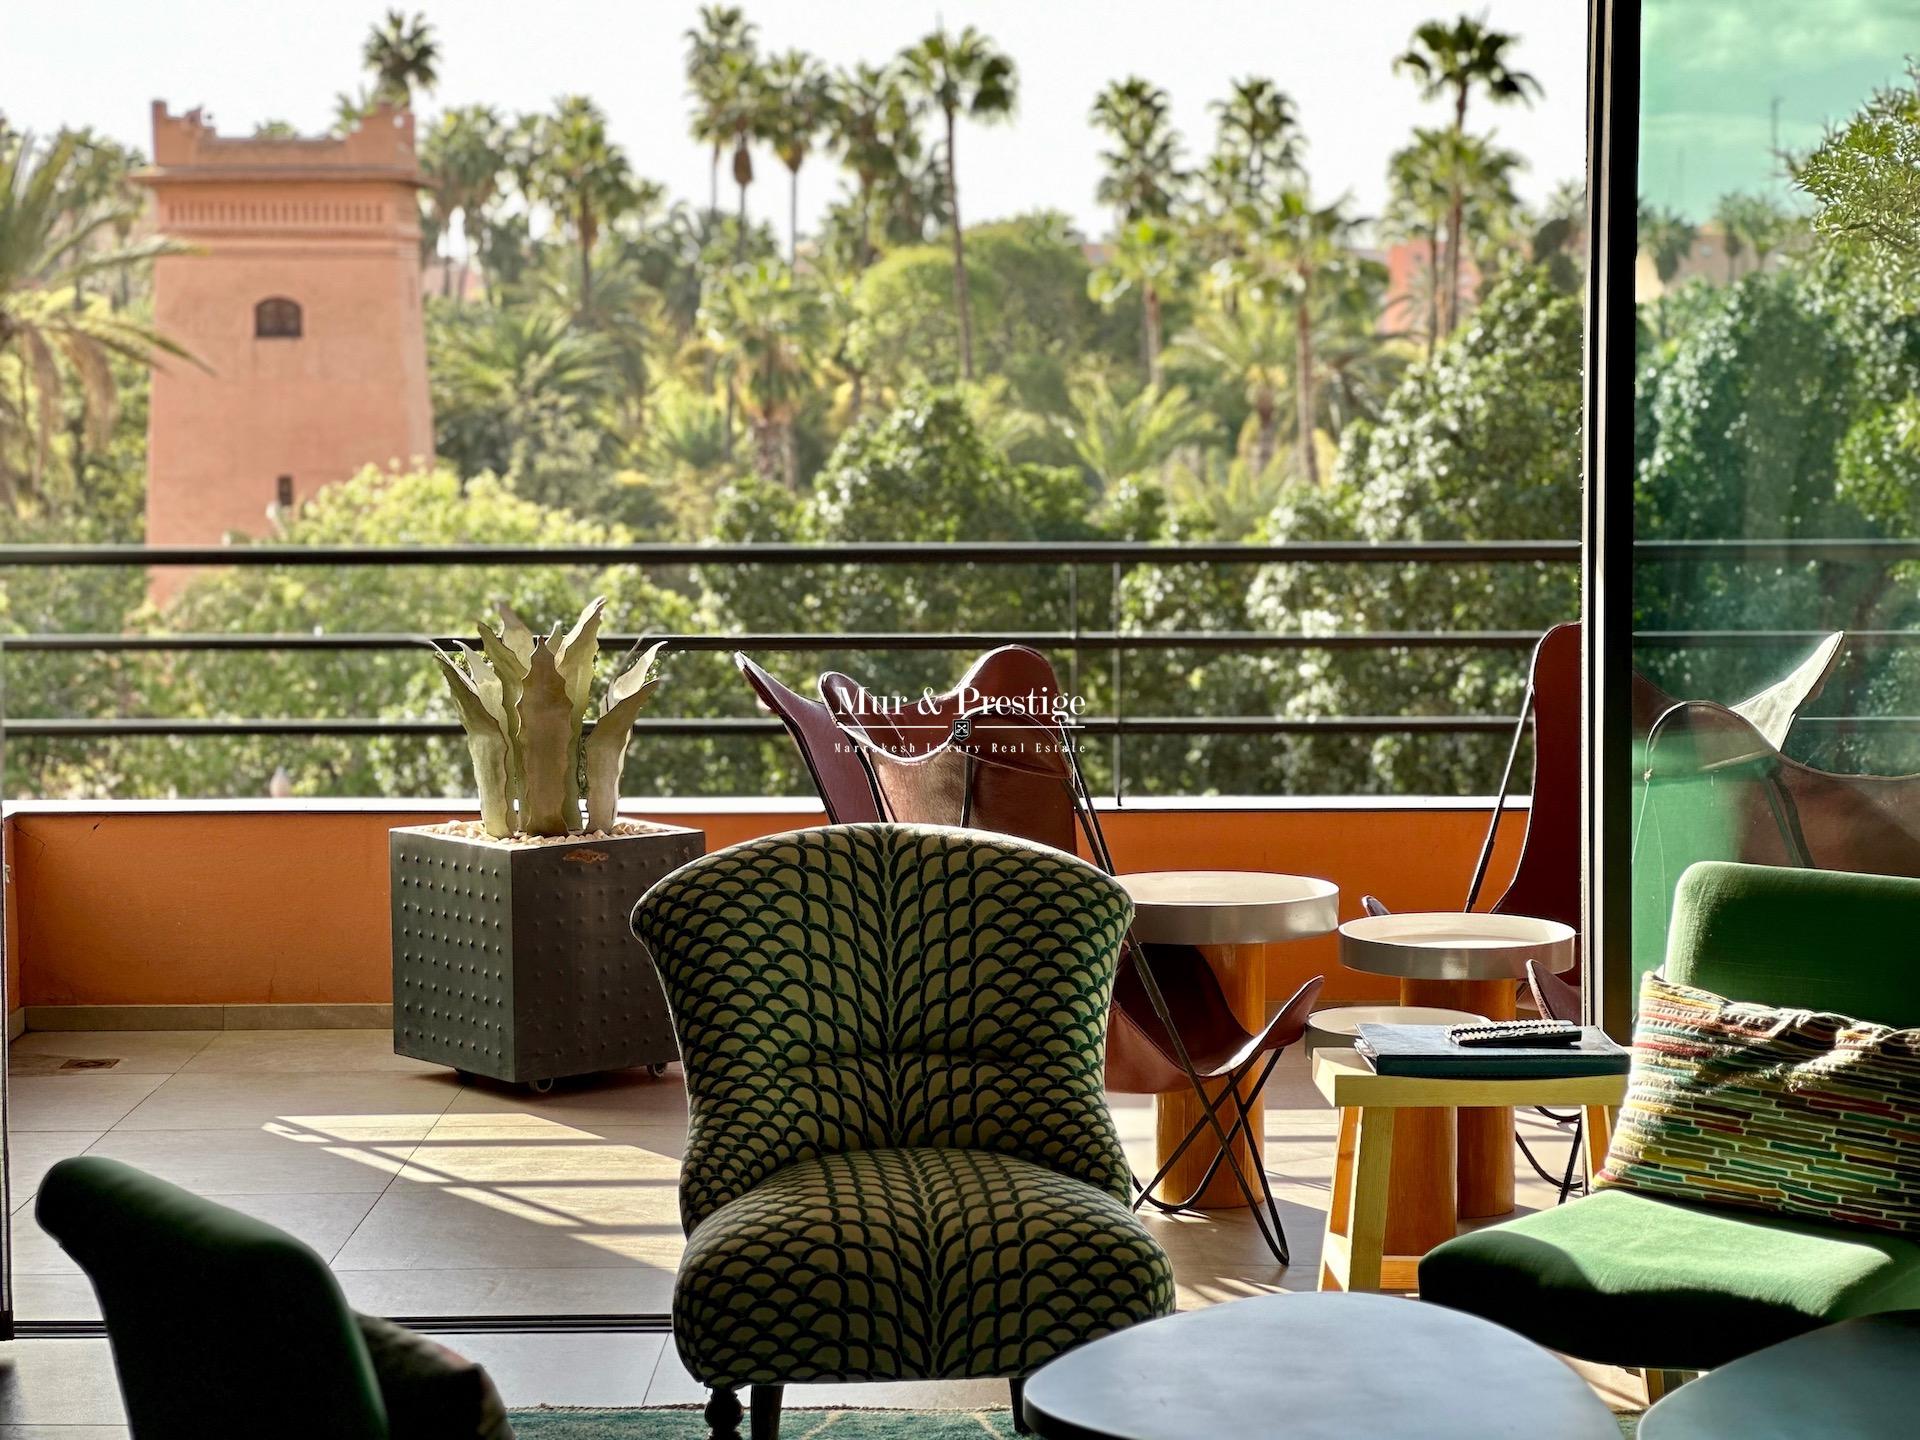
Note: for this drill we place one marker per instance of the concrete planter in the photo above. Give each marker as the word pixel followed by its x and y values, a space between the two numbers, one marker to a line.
pixel 517 962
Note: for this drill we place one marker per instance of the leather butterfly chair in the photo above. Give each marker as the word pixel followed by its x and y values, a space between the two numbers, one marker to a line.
pixel 1170 1028
pixel 842 781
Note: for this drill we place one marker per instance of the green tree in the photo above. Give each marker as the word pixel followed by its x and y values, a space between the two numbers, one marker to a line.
pixel 1141 176
pixel 1453 61
pixel 797 100
pixel 871 122
pixel 769 331
pixel 402 55
pixel 723 34
pixel 1119 439
pixel 584 176
pixel 1257 144
pixel 52 340
pixel 1250 345
pixel 1864 176
pixel 961 74
pixel 1667 237
pixel 1148 259
pixel 462 157
pixel 1751 223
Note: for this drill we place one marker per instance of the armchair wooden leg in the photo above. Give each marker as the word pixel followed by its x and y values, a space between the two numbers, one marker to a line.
pixel 1019 1392
pixel 723 1413
pixel 766 1411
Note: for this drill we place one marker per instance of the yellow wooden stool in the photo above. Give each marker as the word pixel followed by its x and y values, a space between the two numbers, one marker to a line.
pixel 1352 1258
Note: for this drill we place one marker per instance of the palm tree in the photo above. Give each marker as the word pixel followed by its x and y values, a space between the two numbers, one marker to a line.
pixel 723 32
pixel 50 223
pixel 1444 180
pixel 1666 236
pixel 1258 142
pixel 1117 439
pixel 746 116
pixel 769 332
pixel 1250 344
pixel 1750 222
pixel 1143 178
pixel 796 98
pixel 584 176
pixel 959 74
pixel 1148 257
pixel 493 367
pixel 401 54
pixel 1455 60
pixel 872 126
pixel 462 157
pixel 1299 251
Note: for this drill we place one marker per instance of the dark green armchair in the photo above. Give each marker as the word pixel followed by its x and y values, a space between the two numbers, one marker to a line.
pixel 900 1164
pixel 222 1326
pixel 1627 1279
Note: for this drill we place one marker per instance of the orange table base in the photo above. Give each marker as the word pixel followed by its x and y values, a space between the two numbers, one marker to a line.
pixel 1446 1170
pixel 1242 973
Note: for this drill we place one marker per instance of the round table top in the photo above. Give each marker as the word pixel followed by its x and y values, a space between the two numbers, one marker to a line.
pixel 1229 907
pixel 1450 946
pixel 1314 1367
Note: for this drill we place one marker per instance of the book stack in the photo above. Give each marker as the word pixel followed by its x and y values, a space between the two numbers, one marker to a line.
pixel 1426 1051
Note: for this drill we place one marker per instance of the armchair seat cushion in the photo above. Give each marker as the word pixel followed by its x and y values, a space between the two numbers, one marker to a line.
pixel 1627 1279
pixel 910 1264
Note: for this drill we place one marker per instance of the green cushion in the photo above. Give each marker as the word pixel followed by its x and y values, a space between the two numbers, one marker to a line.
pixel 1627 1279
pixel 1804 939
pixel 920 1264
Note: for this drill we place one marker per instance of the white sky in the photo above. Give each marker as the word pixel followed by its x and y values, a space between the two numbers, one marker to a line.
pixel 101 62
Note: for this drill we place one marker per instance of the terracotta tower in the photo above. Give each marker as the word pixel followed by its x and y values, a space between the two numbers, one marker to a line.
pixel 303 303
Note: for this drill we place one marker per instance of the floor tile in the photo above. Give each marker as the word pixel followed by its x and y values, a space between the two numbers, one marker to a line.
pixel 80 1100
pixel 322 1221
pixel 65 1432
pixel 135 1052
pixel 632 1097
pixel 31 1153
pixel 548 1153
pixel 463 1226
pixel 625 1290
pixel 317 1102
pixel 59 1383
pixel 275 1158
pixel 328 1052
pixel 67 1296
pixel 530 1370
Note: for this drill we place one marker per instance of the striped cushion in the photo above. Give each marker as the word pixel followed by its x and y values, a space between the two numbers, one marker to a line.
pixel 1790 1111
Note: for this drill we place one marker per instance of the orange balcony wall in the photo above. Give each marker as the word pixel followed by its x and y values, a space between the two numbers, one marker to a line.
pixel 251 903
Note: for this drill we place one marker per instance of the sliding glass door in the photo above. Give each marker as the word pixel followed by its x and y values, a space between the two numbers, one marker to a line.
pixel 1774 696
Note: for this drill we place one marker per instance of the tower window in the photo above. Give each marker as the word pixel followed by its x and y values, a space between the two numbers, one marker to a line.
pixel 276 319
pixel 283 492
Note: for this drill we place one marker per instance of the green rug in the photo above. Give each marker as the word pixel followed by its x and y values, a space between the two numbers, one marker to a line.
pixel 794 1425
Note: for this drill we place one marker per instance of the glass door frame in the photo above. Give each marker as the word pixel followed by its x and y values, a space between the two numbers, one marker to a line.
pixel 1606 599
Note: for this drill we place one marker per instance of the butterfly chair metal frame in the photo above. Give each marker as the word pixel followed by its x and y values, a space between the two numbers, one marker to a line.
pixel 981 740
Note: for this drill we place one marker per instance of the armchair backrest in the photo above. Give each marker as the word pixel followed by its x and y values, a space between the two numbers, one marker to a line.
pixel 222 1326
pixel 876 986
pixel 1810 939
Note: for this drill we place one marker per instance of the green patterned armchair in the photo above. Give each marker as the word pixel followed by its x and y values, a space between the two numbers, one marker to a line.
pixel 900 1164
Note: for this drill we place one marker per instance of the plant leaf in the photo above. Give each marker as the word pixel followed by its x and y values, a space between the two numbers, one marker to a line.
pixel 606 747
pixel 516 634
pixel 486 743
pixel 550 749
pixel 576 653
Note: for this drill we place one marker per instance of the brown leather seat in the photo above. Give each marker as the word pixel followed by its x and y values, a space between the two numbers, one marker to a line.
pixel 841 780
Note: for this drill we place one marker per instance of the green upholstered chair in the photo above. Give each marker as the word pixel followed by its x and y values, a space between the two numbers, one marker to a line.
pixel 1657 1284
pixel 223 1328
pixel 900 1164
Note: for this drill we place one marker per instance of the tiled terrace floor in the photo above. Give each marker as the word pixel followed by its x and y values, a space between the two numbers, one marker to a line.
pixel 433 1198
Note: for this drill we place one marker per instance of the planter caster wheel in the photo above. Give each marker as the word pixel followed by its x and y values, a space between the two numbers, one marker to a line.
pixel 540 1087
pixel 464 1077
pixel 657 1070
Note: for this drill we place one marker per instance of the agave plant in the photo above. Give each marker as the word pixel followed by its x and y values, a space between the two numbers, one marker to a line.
pixel 523 702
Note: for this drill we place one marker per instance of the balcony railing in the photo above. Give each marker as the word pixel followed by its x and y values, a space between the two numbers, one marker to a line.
pixel 1088 567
